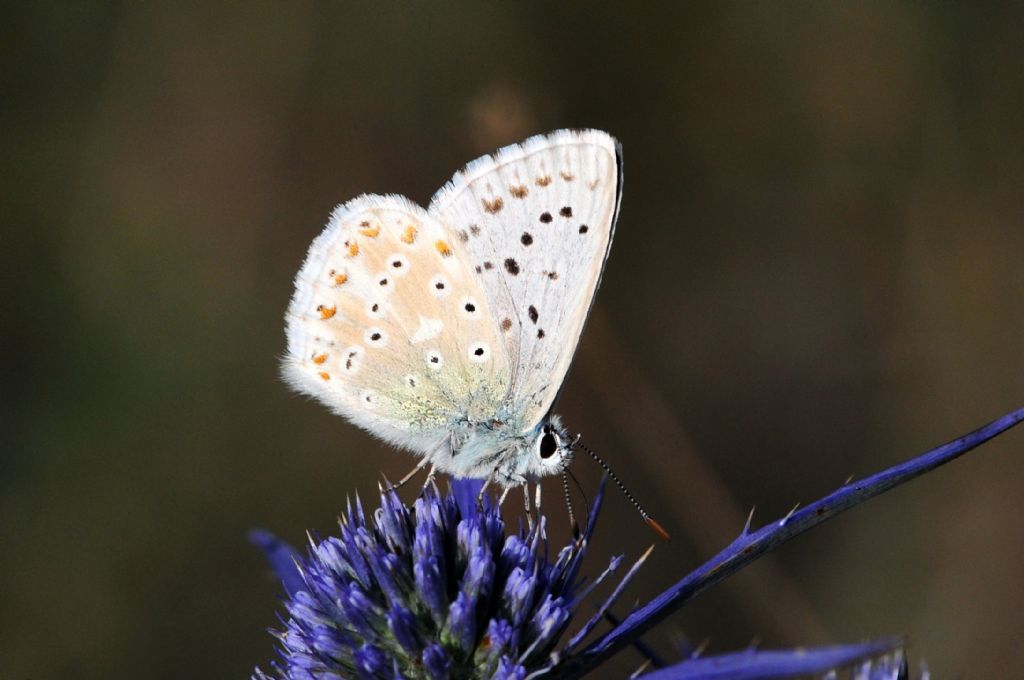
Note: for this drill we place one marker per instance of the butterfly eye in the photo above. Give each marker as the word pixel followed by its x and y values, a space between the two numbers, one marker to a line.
pixel 548 445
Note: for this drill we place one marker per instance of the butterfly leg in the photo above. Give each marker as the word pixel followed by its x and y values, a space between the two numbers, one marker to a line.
pixel 412 473
pixel 536 503
pixel 429 481
pixel 504 494
pixel 480 496
pixel 526 504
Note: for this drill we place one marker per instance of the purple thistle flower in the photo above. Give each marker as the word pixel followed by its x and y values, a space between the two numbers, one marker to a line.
pixel 434 590
pixel 439 590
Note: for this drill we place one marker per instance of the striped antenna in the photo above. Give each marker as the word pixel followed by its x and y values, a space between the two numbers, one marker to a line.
pixel 651 522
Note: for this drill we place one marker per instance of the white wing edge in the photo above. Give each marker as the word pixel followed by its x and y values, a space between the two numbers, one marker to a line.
pixel 515 152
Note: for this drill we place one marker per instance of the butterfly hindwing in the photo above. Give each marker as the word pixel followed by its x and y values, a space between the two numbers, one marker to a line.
pixel 390 327
pixel 537 220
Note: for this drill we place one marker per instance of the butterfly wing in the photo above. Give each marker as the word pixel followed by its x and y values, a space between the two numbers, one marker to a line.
pixel 389 326
pixel 537 221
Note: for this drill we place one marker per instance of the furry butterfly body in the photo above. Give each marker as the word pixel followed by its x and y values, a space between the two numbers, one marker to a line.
pixel 448 331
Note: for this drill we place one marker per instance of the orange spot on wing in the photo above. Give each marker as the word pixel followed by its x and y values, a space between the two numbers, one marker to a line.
pixel 319 358
pixel 326 312
pixel 325 375
pixel 353 248
pixel 409 235
pixel 443 248
pixel 371 232
pixel 340 279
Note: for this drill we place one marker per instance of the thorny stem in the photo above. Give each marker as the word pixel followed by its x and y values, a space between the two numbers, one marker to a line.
pixel 750 546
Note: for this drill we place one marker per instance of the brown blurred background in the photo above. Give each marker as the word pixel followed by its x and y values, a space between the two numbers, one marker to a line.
pixel 816 274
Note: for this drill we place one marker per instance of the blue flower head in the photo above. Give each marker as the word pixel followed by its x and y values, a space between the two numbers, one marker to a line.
pixel 441 589
pixel 437 589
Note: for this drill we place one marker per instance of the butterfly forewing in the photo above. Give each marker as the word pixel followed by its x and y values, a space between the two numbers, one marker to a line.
pixel 537 221
pixel 390 327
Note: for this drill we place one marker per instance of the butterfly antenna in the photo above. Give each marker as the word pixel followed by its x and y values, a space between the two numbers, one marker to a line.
pixel 651 522
pixel 568 505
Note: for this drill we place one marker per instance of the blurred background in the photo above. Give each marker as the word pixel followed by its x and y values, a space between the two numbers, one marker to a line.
pixel 816 275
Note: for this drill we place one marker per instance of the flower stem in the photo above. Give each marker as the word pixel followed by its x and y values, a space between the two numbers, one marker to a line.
pixel 749 546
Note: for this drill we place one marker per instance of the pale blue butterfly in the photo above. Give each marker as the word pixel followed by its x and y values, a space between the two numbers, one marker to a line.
pixel 449 331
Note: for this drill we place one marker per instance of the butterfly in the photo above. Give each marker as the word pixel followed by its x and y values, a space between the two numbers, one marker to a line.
pixel 448 331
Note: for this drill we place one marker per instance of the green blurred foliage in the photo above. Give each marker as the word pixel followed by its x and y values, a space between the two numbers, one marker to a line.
pixel 816 274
